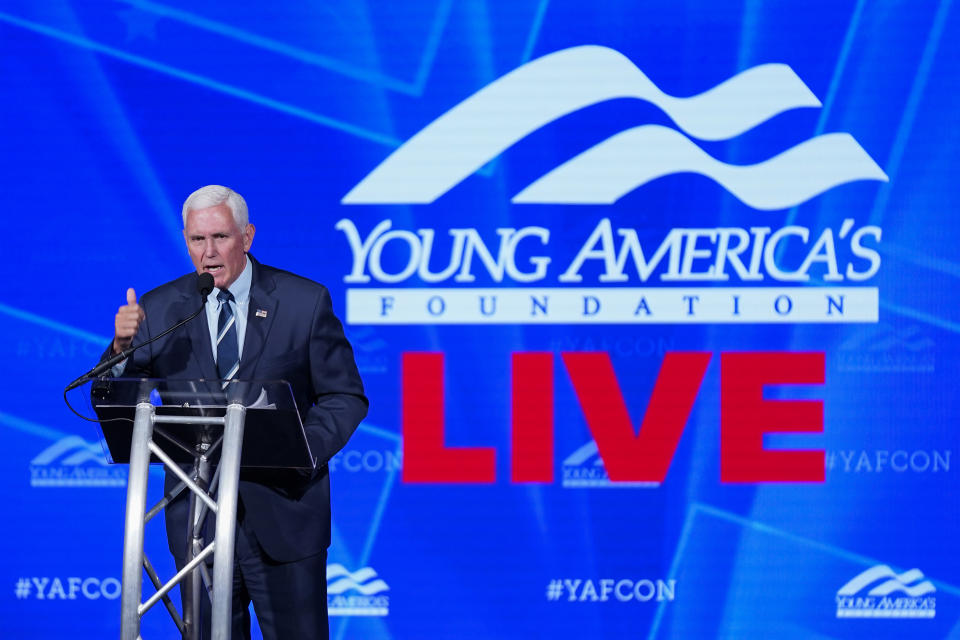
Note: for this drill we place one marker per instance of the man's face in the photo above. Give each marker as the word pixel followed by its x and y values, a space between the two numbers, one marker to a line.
pixel 216 245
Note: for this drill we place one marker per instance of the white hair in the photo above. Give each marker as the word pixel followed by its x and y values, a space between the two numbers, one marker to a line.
pixel 212 195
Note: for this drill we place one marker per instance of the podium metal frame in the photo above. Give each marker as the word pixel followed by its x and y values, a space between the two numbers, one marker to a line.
pixel 227 476
pixel 278 441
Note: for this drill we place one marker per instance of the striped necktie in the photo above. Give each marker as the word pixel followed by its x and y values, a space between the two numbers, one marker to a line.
pixel 228 352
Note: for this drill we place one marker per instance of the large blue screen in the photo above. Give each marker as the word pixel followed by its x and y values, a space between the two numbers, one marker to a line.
pixel 654 302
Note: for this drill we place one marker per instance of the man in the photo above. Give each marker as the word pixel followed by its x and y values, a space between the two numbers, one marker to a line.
pixel 260 323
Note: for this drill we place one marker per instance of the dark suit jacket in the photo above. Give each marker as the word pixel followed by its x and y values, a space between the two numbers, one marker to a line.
pixel 300 341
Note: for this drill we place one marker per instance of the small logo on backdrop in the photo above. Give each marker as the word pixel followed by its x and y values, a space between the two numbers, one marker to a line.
pixel 74 462
pixel 879 592
pixel 584 469
pixel 883 347
pixel 370 350
pixel 357 593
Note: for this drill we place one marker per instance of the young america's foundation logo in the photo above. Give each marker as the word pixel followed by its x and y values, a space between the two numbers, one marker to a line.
pixel 480 128
pixel 583 469
pixel 356 594
pixel 74 462
pixel 879 592
pixel 461 141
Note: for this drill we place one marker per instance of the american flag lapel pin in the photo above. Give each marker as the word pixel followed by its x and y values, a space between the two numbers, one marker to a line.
pixel 261 313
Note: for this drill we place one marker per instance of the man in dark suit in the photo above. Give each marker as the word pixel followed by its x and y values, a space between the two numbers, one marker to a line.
pixel 268 324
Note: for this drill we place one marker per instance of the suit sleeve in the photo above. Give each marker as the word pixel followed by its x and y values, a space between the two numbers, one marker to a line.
pixel 339 403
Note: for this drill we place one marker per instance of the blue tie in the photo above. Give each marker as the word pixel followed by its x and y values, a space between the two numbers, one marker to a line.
pixel 228 353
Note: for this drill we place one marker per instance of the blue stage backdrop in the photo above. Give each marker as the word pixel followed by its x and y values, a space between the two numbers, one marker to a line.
pixel 654 302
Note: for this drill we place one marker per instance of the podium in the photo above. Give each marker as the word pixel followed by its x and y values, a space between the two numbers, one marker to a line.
pixel 204 432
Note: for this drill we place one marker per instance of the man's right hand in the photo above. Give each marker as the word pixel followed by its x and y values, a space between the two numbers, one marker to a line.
pixel 128 320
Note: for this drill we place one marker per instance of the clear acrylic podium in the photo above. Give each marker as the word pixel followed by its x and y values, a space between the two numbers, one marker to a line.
pixel 202 431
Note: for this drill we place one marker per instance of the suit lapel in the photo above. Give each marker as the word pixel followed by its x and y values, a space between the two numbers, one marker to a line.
pixel 199 333
pixel 261 312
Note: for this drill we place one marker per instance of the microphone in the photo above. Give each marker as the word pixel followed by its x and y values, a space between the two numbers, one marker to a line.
pixel 204 287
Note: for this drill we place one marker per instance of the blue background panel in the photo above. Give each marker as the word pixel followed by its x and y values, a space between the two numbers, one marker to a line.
pixel 115 110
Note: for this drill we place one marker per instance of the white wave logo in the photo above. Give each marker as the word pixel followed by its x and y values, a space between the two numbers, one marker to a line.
pixel 854 600
pixel 79 449
pixel 74 462
pixel 480 128
pixel 892 583
pixel 366 602
pixel 357 580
